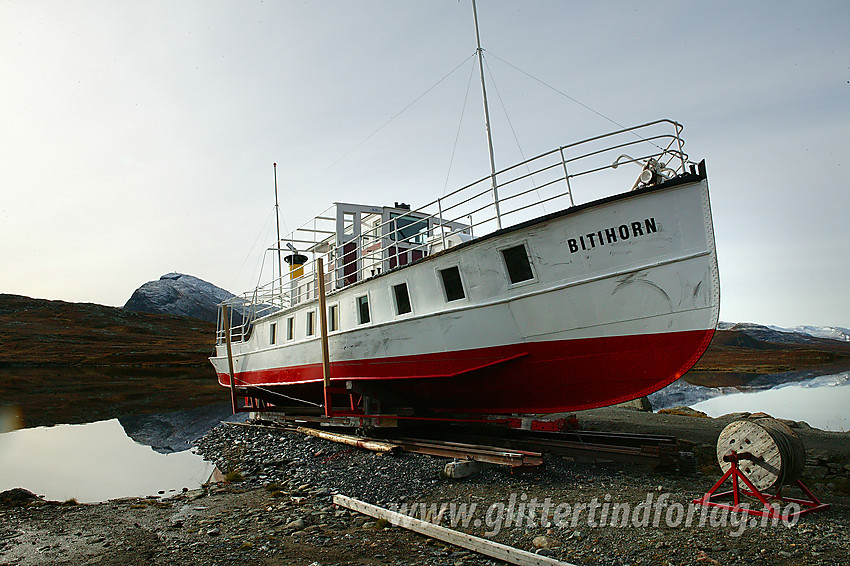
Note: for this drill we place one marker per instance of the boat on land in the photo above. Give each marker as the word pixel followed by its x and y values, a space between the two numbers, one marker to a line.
pixel 509 295
pixel 438 309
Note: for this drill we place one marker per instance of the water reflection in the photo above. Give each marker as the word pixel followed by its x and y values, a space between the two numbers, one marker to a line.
pixel 93 462
pixel 47 396
pixel 821 402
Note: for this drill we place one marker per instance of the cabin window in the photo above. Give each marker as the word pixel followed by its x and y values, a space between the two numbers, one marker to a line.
pixel 272 332
pixel 311 323
pixel 402 299
pixel 290 328
pixel 363 309
pixel 333 318
pixel 452 283
pixel 519 267
pixel 408 229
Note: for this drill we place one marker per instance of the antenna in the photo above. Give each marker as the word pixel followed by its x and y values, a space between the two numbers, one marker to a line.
pixel 487 117
pixel 277 218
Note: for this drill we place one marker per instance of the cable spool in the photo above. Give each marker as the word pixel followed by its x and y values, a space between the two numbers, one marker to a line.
pixel 778 453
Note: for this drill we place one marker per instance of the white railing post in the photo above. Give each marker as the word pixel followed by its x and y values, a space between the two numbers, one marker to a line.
pixel 567 176
pixel 440 217
pixel 678 129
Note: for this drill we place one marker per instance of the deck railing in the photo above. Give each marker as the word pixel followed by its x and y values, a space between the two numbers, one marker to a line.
pixel 526 190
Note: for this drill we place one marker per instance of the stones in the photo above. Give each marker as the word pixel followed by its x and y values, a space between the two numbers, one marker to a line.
pixel 683 411
pixel 462 468
pixel 196 494
pixel 814 472
pixel 734 416
pixel 303 516
pixel 545 542
pixel 288 460
pixel 639 404
pixel 17 497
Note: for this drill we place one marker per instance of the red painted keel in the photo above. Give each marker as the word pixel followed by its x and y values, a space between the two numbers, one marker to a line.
pixel 536 377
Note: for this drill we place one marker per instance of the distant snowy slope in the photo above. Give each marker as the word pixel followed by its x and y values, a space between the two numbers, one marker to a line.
pixel 829 332
pixel 179 294
pixel 796 335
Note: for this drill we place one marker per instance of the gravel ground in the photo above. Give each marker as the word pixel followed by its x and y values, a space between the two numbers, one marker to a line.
pixel 278 509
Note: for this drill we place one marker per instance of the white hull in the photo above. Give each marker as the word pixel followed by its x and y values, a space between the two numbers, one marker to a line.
pixel 653 274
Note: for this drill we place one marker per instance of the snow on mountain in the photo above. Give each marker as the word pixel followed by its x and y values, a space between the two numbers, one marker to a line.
pixel 828 332
pixel 766 333
pixel 178 294
pixel 797 335
pixel 682 393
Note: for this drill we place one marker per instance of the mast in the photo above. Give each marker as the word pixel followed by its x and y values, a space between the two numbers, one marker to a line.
pixel 277 219
pixel 487 117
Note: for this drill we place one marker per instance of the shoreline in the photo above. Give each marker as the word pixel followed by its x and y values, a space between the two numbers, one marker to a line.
pixel 281 512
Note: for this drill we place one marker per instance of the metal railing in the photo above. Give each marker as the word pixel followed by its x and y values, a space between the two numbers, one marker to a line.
pixel 526 190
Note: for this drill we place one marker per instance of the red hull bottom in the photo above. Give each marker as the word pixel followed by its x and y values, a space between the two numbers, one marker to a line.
pixel 535 377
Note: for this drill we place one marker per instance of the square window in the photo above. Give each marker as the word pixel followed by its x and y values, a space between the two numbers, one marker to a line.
pixel 452 284
pixel 311 323
pixel 290 328
pixel 516 260
pixel 402 299
pixel 363 309
pixel 272 332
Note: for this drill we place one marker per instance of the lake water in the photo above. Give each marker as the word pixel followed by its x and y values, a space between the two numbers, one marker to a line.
pixel 822 402
pixel 93 462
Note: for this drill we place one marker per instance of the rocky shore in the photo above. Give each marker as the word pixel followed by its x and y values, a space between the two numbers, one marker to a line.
pixel 277 508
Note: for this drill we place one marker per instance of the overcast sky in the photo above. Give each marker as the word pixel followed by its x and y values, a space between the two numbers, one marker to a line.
pixel 137 138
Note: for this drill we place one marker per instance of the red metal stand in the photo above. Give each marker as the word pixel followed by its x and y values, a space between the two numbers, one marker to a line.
pixel 769 511
pixel 329 409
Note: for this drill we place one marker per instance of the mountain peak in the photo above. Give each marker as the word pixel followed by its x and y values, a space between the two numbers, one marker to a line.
pixel 179 294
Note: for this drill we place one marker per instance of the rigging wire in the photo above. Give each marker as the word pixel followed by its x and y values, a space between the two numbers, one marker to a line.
pixel 513 131
pixel 400 112
pixel 261 262
pixel 562 93
pixel 276 393
pixel 582 104
pixel 251 249
pixel 460 123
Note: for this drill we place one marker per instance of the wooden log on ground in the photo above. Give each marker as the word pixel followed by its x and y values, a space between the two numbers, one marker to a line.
pixel 373 445
pixel 470 542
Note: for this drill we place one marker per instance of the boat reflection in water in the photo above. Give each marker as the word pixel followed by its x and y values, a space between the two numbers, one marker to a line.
pixel 93 462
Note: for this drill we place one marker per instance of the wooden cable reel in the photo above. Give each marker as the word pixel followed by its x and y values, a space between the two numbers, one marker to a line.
pixel 777 453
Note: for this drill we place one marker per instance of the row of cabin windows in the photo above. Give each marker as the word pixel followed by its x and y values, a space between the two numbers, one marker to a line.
pixel 516 261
